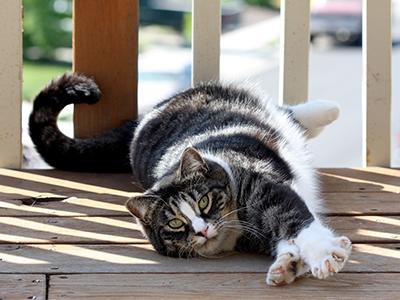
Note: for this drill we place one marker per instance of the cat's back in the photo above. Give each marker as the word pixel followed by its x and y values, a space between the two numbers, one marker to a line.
pixel 196 111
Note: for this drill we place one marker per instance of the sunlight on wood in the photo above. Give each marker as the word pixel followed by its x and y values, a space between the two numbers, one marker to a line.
pixel 111 222
pixel 378 234
pixel 64 183
pixel 36 226
pixel 20 260
pixel 35 209
pixel 97 204
pixel 379 251
pixel 16 239
pixel 97 255
pixel 379 219
pixel 383 186
pixel 380 171
pixel 72 200
pixel 23 192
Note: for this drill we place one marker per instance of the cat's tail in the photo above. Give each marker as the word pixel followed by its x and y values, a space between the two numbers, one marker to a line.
pixel 108 152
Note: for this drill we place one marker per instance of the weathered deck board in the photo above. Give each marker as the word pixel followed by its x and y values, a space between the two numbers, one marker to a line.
pixel 89 204
pixel 63 223
pixel 367 229
pixel 220 286
pixel 365 180
pixel 114 229
pixel 17 287
pixel 360 203
pixel 53 230
pixel 141 258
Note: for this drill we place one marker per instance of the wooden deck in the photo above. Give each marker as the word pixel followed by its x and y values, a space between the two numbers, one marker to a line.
pixel 67 236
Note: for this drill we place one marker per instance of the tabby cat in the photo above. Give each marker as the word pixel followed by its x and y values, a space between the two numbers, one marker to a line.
pixel 222 171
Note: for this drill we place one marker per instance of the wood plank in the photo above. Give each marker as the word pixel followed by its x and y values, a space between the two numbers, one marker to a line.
pixel 10 83
pixel 19 202
pixel 17 287
pixel 140 258
pixel 360 203
pixel 220 286
pixel 206 40
pixel 347 191
pixel 85 204
pixel 377 81
pixel 106 47
pixel 295 43
pixel 114 229
pixel 50 230
pixel 360 180
pixel 25 203
pixel 51 180
pixel 367 229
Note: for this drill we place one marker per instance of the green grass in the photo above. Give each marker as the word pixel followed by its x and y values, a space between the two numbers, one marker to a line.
pixel 37 75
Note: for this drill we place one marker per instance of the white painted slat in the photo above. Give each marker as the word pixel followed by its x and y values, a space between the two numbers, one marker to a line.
pixel 295 45
pixel 10 83
pixel 206 40
pixel 377 52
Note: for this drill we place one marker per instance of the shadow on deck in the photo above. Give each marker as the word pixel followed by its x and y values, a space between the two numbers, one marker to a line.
pixel 68 235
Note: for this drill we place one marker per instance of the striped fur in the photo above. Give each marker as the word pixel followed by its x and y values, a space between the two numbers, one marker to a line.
pixel 212 144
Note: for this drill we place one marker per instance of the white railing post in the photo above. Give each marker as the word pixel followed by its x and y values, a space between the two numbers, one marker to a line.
pixel 295 45
pixel 206 34
pixel 10 83
pixel 377 52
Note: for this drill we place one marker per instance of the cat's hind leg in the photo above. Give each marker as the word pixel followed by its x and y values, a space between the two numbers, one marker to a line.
pixel 287 266
pixel 324 252
pixel 315 115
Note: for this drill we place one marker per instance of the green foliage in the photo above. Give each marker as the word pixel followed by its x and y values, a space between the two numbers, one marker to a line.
pixel 37 75
pixel 47 25
pixel 268 3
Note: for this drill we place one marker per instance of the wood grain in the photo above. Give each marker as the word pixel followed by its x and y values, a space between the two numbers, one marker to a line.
pixel 367 229
pixel 97 195
pixel 141 258
pixel 17 287
pixel 220 286
pixel 295 48
pixel 106 47
pixel 10 83
pixel 362 203
pixel 69 202
pixel 55 230
pixel 360 180
pixel 79 225
pixel 377 82
pixel 117 229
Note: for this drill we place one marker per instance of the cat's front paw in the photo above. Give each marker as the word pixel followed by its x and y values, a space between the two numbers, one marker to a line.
pixel 325 253
pixel 283 270
pixel 328 256
pixel 331 259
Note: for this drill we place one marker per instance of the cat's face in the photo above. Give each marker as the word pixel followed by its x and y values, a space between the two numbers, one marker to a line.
pixel 187 214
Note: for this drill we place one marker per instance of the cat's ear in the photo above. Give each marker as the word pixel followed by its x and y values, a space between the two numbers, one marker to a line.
pixel 192 163
pixel 139 205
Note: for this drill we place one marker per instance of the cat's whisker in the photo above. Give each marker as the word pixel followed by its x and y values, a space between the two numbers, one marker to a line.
pixel 233 211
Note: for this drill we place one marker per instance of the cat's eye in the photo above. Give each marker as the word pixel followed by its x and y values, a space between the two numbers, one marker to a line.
pixel 176 223
pixel 203 203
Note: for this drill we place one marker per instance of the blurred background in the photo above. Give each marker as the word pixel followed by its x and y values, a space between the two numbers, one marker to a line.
pixel 250 57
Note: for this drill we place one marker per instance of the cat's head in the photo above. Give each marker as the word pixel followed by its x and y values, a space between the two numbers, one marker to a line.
pixel 187 212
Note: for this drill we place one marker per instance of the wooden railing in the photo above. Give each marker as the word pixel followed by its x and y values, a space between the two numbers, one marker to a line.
pixel 105 46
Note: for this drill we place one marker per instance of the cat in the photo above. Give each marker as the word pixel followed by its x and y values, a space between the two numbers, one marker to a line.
pixel 222 171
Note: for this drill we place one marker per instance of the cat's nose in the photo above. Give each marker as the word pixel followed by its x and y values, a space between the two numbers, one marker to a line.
pixel 204 232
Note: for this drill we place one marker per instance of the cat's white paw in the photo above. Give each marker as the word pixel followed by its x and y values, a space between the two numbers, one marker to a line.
pixel 287 266
pixel 322 251
pixel 331 259
pixel 283 270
